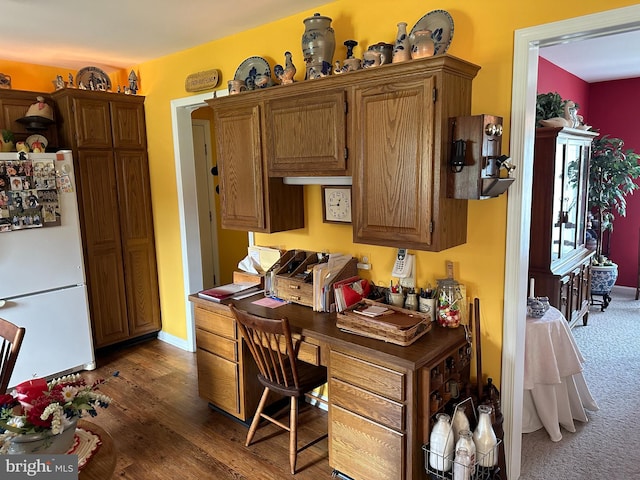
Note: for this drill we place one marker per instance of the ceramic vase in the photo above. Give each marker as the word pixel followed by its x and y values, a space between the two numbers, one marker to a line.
pixel 422 45
pixel 603 278
pixel 485 439
pixel 45 442
pixel 318 40
pixel 402 48
pixel 441 444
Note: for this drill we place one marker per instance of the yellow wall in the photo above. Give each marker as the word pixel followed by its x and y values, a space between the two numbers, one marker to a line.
pixel 483 35
pixel 39 78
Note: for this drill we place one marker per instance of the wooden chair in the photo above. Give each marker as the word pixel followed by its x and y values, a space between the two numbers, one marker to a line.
pixel 10 341
pixel 276 355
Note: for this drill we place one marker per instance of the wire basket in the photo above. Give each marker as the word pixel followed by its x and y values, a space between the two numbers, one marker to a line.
pixel 486 465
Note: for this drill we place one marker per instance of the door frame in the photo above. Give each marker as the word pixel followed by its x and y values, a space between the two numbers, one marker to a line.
pixel 181 109
pixel 527 43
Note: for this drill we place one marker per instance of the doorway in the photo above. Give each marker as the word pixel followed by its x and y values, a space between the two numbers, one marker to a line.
pixel 205 190
pixel 525 69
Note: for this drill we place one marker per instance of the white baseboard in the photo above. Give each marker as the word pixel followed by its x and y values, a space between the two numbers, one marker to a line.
pixel 175 341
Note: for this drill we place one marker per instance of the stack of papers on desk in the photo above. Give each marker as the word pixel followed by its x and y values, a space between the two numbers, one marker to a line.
pixel 231 290
pixel 324 275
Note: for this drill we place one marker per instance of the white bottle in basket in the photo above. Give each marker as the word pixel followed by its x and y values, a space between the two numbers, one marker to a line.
pixel 485 439
pixel 459 422
pixel 441 444
pixel 462 465
pixel 466 441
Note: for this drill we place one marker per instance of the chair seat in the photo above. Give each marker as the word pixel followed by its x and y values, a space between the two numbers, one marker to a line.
pixel 309 377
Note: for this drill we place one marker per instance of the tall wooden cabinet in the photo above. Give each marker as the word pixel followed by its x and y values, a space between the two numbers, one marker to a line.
pixel 559 262
pixel 107 134
pixel 384 126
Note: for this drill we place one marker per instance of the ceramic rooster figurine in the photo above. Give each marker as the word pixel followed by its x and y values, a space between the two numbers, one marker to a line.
pixel 285 75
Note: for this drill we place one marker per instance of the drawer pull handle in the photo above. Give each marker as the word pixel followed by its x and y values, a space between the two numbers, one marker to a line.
pixel 295 297
pixel 294 287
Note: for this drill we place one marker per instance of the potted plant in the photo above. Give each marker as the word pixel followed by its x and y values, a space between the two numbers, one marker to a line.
pixel 611 178
pixel 40 416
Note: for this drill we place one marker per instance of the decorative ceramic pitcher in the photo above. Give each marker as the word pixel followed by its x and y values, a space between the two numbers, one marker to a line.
pixel 422 45
pixel 318 41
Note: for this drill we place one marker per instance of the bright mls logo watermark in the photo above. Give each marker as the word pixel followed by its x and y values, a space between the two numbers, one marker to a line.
pixel 50 467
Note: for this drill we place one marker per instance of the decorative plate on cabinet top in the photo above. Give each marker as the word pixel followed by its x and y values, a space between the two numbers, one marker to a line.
pixel 440 23
pixel 36 138
pixel 255 72
pixel 93 76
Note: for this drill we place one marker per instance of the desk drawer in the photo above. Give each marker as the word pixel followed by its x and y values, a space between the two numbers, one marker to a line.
pixel 384 411
pixel 216 323
pixel 364 449
pixel 294 290
pixel 222 347
pixel 366 375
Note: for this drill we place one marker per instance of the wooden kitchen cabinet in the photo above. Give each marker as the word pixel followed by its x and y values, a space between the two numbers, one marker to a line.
pixel 249 199
pixel 387 127
pixel 306 134
pixel 401 149
pixel 107 134
pixel 558 259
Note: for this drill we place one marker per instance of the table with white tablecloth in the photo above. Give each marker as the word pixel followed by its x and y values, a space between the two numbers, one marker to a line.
pixel 555 391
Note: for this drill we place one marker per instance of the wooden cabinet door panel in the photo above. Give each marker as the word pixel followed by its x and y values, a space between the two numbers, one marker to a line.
pixel 393 178
pixel 218 381
pixel 363 449
pixel 306 134
pixel 136 223
pixel 241 171
pixel 103 251
pixel 128 125
pixel 93 123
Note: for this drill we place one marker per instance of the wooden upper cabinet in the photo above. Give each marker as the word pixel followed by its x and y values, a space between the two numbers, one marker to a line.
pixel 128 125
pixel 387 127
pixel 249 200
pixel 306 134
pixel 93 123
pixel 393 181
pixel 240 166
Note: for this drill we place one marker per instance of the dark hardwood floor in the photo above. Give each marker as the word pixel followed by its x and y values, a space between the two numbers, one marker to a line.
pixel 163 430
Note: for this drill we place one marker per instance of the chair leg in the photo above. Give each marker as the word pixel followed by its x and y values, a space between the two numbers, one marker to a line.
pixel 256 417
pixel 293 434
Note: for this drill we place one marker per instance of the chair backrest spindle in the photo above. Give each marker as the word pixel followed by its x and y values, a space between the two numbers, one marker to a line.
pixel 10 342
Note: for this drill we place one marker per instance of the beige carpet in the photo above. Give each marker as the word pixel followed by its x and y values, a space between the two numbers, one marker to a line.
pixel 608 446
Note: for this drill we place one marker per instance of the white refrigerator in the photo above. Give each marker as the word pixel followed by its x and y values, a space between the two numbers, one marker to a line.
pixel 42 279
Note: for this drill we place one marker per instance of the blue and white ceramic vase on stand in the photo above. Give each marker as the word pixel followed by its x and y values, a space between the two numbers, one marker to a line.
pixel 318 43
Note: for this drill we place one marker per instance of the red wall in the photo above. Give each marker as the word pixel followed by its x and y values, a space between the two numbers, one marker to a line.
pixel 611 108
pixel 552 78
pixel 614 108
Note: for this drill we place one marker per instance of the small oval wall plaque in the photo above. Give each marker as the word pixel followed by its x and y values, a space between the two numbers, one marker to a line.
pixel 202 80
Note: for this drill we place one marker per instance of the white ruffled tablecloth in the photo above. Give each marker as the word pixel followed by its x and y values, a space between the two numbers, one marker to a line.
pixel 555 392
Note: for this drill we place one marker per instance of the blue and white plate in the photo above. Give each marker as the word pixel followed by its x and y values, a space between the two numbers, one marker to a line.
pixel 255 72
pixel 441 25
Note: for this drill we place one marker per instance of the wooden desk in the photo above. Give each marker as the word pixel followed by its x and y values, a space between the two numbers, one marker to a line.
pixel 380 394
pixel 103 463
